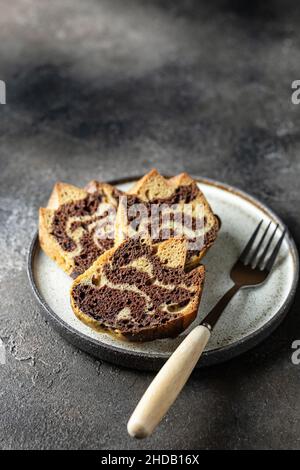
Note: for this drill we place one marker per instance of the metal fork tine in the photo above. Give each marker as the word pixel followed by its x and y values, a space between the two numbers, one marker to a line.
pixel 249 245
pixel 255 252
pixel 264 253
pixel 273 256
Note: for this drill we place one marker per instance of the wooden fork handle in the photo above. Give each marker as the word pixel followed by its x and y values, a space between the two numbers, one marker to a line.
pixel 168 383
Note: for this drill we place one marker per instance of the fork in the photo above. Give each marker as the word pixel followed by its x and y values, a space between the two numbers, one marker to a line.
pixel 250 270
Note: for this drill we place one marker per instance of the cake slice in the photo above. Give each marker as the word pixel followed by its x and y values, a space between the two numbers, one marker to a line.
pixel 180 199
pixel 138 291
pixel 77 225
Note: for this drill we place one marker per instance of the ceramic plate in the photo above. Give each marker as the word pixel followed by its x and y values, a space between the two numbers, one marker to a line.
pixel 251 316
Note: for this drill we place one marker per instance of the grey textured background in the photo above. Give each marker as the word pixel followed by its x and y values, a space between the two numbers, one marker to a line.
pixel 112 88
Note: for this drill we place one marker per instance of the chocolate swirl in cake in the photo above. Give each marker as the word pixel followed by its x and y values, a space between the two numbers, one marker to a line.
pixel 135 290
pixel 182 194
pixel 84 211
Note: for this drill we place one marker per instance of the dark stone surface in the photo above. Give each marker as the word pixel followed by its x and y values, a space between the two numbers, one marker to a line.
pixel 110 88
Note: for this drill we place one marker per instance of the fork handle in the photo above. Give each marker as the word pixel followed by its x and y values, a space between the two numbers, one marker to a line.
pixel 168 383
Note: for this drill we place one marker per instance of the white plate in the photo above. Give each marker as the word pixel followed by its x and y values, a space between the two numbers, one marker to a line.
pixel 249 318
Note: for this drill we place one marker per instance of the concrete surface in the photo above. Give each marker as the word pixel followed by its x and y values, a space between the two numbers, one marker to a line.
pixel 112 88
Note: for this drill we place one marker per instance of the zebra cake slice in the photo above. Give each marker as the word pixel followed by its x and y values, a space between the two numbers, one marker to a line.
pixel 181 191
pixel 70 226
pixel 138 291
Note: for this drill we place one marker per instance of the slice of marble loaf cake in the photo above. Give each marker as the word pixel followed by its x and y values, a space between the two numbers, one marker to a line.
pixel 138 291
pixel 155 191
pixel 71 226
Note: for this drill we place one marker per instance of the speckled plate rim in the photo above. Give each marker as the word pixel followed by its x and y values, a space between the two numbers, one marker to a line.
pixel 145 361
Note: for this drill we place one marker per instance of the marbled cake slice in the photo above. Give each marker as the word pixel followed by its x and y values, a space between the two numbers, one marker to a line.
pixel 154 192
pixel 139 291
pixel 73 228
